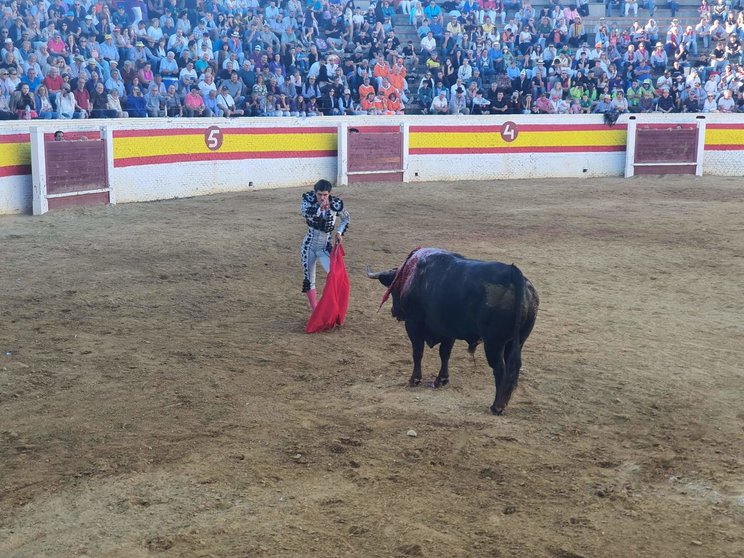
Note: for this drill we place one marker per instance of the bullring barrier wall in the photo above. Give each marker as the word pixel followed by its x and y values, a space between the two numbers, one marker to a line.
pixel 155 159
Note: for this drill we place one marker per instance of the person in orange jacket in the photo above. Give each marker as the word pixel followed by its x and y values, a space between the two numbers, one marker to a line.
pixel 393 104
pixel 381 69
pixel 368 103
pixel 365 88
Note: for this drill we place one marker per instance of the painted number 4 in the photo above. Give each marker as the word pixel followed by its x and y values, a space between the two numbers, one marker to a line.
pixel 509 131
pixel 213 138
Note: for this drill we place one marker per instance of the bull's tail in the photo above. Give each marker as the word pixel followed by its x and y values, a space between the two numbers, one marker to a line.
pixel 514 358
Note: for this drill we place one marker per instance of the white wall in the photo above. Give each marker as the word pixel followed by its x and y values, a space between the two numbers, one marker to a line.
pixel 539 151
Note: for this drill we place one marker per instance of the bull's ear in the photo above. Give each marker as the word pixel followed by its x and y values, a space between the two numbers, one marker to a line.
pixel 385 277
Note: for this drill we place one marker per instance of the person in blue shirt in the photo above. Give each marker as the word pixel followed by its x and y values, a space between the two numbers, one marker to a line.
pixel 31 79
pixel 136 104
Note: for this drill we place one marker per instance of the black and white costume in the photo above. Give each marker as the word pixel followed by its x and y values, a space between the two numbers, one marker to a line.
pixel 317 242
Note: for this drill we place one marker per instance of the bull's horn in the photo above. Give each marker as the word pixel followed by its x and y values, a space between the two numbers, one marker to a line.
pixel 372 275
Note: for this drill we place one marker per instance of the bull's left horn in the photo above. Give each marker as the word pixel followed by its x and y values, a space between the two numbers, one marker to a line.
pixel 370 274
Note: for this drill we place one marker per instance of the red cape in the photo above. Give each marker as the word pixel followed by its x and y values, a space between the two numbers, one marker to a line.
pixel 332 306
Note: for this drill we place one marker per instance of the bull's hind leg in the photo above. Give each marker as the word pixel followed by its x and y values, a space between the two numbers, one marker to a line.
pixel 495 357
pixel 445 350
pixel 415 334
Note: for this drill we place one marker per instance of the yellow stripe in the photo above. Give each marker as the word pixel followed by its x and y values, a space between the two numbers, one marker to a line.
pixel 524 139
pixel 232 143
pixel 724 137
pixel 12 154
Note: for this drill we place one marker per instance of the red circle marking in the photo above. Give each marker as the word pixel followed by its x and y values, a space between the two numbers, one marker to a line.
pixel 509 131
pixel 213 138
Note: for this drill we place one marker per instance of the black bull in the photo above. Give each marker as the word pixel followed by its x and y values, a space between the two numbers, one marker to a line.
pixel 442 297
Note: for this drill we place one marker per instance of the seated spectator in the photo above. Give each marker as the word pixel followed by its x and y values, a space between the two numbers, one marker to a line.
pixel 66 105
pixel 135 103
pixel 172 102
pixel 99 103
pixel 5 112
pixel 312 108
pixel 44 105
pixel 691 103
pixel 710 104
pixel 393 104
pixel 619 103
pixel 193 103
pixel 226 103
pixel 458 102
pixel 604 104
pixel 479 103
pixel 726 102
pixel 114 104
pixel 665 102
pixel 82 97
pixel 210 101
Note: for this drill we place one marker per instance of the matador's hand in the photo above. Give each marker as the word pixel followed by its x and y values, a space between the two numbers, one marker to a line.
pixel 338 239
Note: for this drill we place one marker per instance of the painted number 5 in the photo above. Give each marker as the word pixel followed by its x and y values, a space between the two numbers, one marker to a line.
pixel 509 131
pixel 213 138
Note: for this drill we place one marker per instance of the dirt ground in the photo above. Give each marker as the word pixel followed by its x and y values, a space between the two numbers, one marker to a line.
pixel 158 394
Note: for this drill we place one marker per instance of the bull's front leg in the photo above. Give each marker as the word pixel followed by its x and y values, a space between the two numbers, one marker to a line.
pixel 445 350
pixel 415 334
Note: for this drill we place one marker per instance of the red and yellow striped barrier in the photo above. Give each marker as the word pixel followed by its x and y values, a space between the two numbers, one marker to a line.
pixel 152 147
pixel 523 138
pixel 724 137
pixel 15 155
pixel 148 147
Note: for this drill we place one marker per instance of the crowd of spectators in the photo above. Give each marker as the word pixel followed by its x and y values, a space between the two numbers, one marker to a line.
pixel 235 58
pixel 485 58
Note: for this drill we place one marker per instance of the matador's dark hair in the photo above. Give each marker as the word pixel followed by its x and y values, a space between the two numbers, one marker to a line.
pixel 323 186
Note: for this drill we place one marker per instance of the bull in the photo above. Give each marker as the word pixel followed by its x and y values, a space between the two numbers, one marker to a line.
pixel 442 297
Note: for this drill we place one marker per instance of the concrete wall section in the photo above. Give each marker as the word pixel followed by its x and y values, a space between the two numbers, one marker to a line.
pixel 15 171
pixel 188 161
pixel 724 148
pixel 516 147
pixel 152 164
pixel 199 178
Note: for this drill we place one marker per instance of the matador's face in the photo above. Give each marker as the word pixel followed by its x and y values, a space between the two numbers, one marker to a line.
pixel 322 197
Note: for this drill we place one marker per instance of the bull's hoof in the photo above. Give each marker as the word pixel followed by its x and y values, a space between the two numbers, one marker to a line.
pixel 440 382
pixel 414 382
pixel 497 410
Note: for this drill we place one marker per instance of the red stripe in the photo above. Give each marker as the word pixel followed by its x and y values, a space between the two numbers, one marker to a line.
pixel 722 147
pixel 226 131
pixel 724 126
pixel 15 170
pixel 520 128
pixel 15 138
pixel 509 150
pixel 235 156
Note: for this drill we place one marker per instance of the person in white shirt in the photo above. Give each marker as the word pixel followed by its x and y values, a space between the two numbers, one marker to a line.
pixel 710 104
pixel 428 43
pixel 227 104
pixel 440 105
pixel 726 102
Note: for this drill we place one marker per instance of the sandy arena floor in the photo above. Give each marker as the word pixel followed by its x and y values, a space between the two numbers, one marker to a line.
pixel 158 395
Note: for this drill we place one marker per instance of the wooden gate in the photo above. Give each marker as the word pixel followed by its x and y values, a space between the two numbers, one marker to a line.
pixel 665 148
pixel 69 173
pixel 372 154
